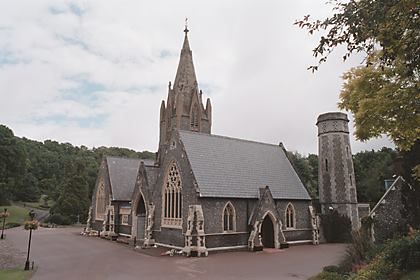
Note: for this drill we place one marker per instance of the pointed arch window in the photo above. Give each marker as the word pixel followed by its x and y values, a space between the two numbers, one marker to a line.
pixel 229 218
pixel 100 202
pixel 195 118
pixel 171 197
pixel 290 216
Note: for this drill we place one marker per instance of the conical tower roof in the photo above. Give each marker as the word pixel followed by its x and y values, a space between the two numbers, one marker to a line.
pixel 185 78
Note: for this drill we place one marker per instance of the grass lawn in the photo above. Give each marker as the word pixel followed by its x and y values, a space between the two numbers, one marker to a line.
pixel 14 274
pixel 17 215
pixel 39 204
pixel 414 275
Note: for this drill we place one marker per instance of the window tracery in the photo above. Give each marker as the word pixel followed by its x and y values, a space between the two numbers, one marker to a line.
pixel 229 218
pixel 171 197
pixel 290 216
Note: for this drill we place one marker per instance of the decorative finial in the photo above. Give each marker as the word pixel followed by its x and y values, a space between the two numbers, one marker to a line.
pixel 186 26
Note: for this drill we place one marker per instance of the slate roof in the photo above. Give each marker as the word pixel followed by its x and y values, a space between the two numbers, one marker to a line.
pixel 123 175
pixel 229 167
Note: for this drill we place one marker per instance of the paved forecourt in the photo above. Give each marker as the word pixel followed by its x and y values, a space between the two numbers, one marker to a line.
pixel 61 253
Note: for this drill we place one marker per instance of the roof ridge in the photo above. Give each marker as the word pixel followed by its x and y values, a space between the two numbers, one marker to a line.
pixel 129 158
pixel 228 137
pixel 386 193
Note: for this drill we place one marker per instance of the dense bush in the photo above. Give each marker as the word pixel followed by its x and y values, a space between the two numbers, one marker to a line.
pixel 359 251
pixel 325 275
pixel 336 227
pixel 404 252
pixel 58 219
pixel 331 268
pixel 12 225
pixel 398 256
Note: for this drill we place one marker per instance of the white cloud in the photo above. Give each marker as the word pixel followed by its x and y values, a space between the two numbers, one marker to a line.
pixel 92 72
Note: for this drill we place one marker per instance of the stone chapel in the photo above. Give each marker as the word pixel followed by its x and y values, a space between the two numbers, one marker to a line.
pixel 203 192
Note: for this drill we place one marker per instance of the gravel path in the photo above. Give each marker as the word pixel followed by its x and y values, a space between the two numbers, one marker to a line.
pixel 10 257
pixel 61 253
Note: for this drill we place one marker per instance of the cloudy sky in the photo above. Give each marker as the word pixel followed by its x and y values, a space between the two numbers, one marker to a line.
pixel 93 72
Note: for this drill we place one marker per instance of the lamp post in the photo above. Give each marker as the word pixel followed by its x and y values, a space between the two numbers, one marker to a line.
pixel 30 225
pixel 3 215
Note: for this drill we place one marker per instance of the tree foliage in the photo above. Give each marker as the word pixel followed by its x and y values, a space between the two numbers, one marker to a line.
pixel 12 163
pixel 391 26
pixel 383 102
pixel 384 96
pixel 371 169
pixel 307 170
pixel 67 174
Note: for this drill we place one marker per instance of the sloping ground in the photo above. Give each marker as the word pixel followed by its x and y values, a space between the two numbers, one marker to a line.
pixel 10 257
pixel 18 214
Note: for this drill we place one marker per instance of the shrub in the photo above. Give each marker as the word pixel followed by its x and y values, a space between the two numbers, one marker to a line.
pixel 11 225
pixel 58 219
pixel 397 256
pixel 358 251
pixel 331 268
pixel 404 252
pixel 328 276
pixel 378 269
pixel 336 227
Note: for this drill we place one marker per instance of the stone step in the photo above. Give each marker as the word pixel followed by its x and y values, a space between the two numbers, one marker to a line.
pixel 299 242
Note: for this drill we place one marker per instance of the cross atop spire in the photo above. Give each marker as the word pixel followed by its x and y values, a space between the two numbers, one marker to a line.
pixel 186 26
pixel 185 76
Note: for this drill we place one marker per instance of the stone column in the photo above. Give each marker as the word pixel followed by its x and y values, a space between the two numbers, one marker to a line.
pixel 195 239
pixel 149 241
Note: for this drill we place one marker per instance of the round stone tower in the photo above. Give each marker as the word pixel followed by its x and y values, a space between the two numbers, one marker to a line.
pixel 337 186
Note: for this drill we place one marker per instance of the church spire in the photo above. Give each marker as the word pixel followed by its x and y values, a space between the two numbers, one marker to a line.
pixel 184 109
pixel 185 79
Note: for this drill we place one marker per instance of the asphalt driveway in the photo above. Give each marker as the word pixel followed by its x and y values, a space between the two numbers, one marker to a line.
pixel 61 253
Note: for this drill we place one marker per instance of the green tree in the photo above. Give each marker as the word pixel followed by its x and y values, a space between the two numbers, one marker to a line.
pixel 383 102
pixel 371 169
pixel 12 164
pixel 391 26
pixel 31 168
pixel 28 191
pixel 384 96
pixel 307 170
pixel 73 201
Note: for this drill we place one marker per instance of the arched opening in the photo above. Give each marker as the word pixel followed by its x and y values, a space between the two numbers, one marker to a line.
pixel 267 232
pixel 290 217
pixel 194 118
pixel 141 217
pixel 172 198
pixel 229 218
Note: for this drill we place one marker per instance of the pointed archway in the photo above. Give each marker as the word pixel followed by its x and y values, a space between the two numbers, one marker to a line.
pixel 140 217
pixel 267 232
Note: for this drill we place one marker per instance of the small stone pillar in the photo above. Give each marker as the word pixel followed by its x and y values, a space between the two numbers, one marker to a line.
pixel 315 225
pixel 108 229
pixel 195 240
pixel 89 221
pixel 254 240
pixel 149 241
